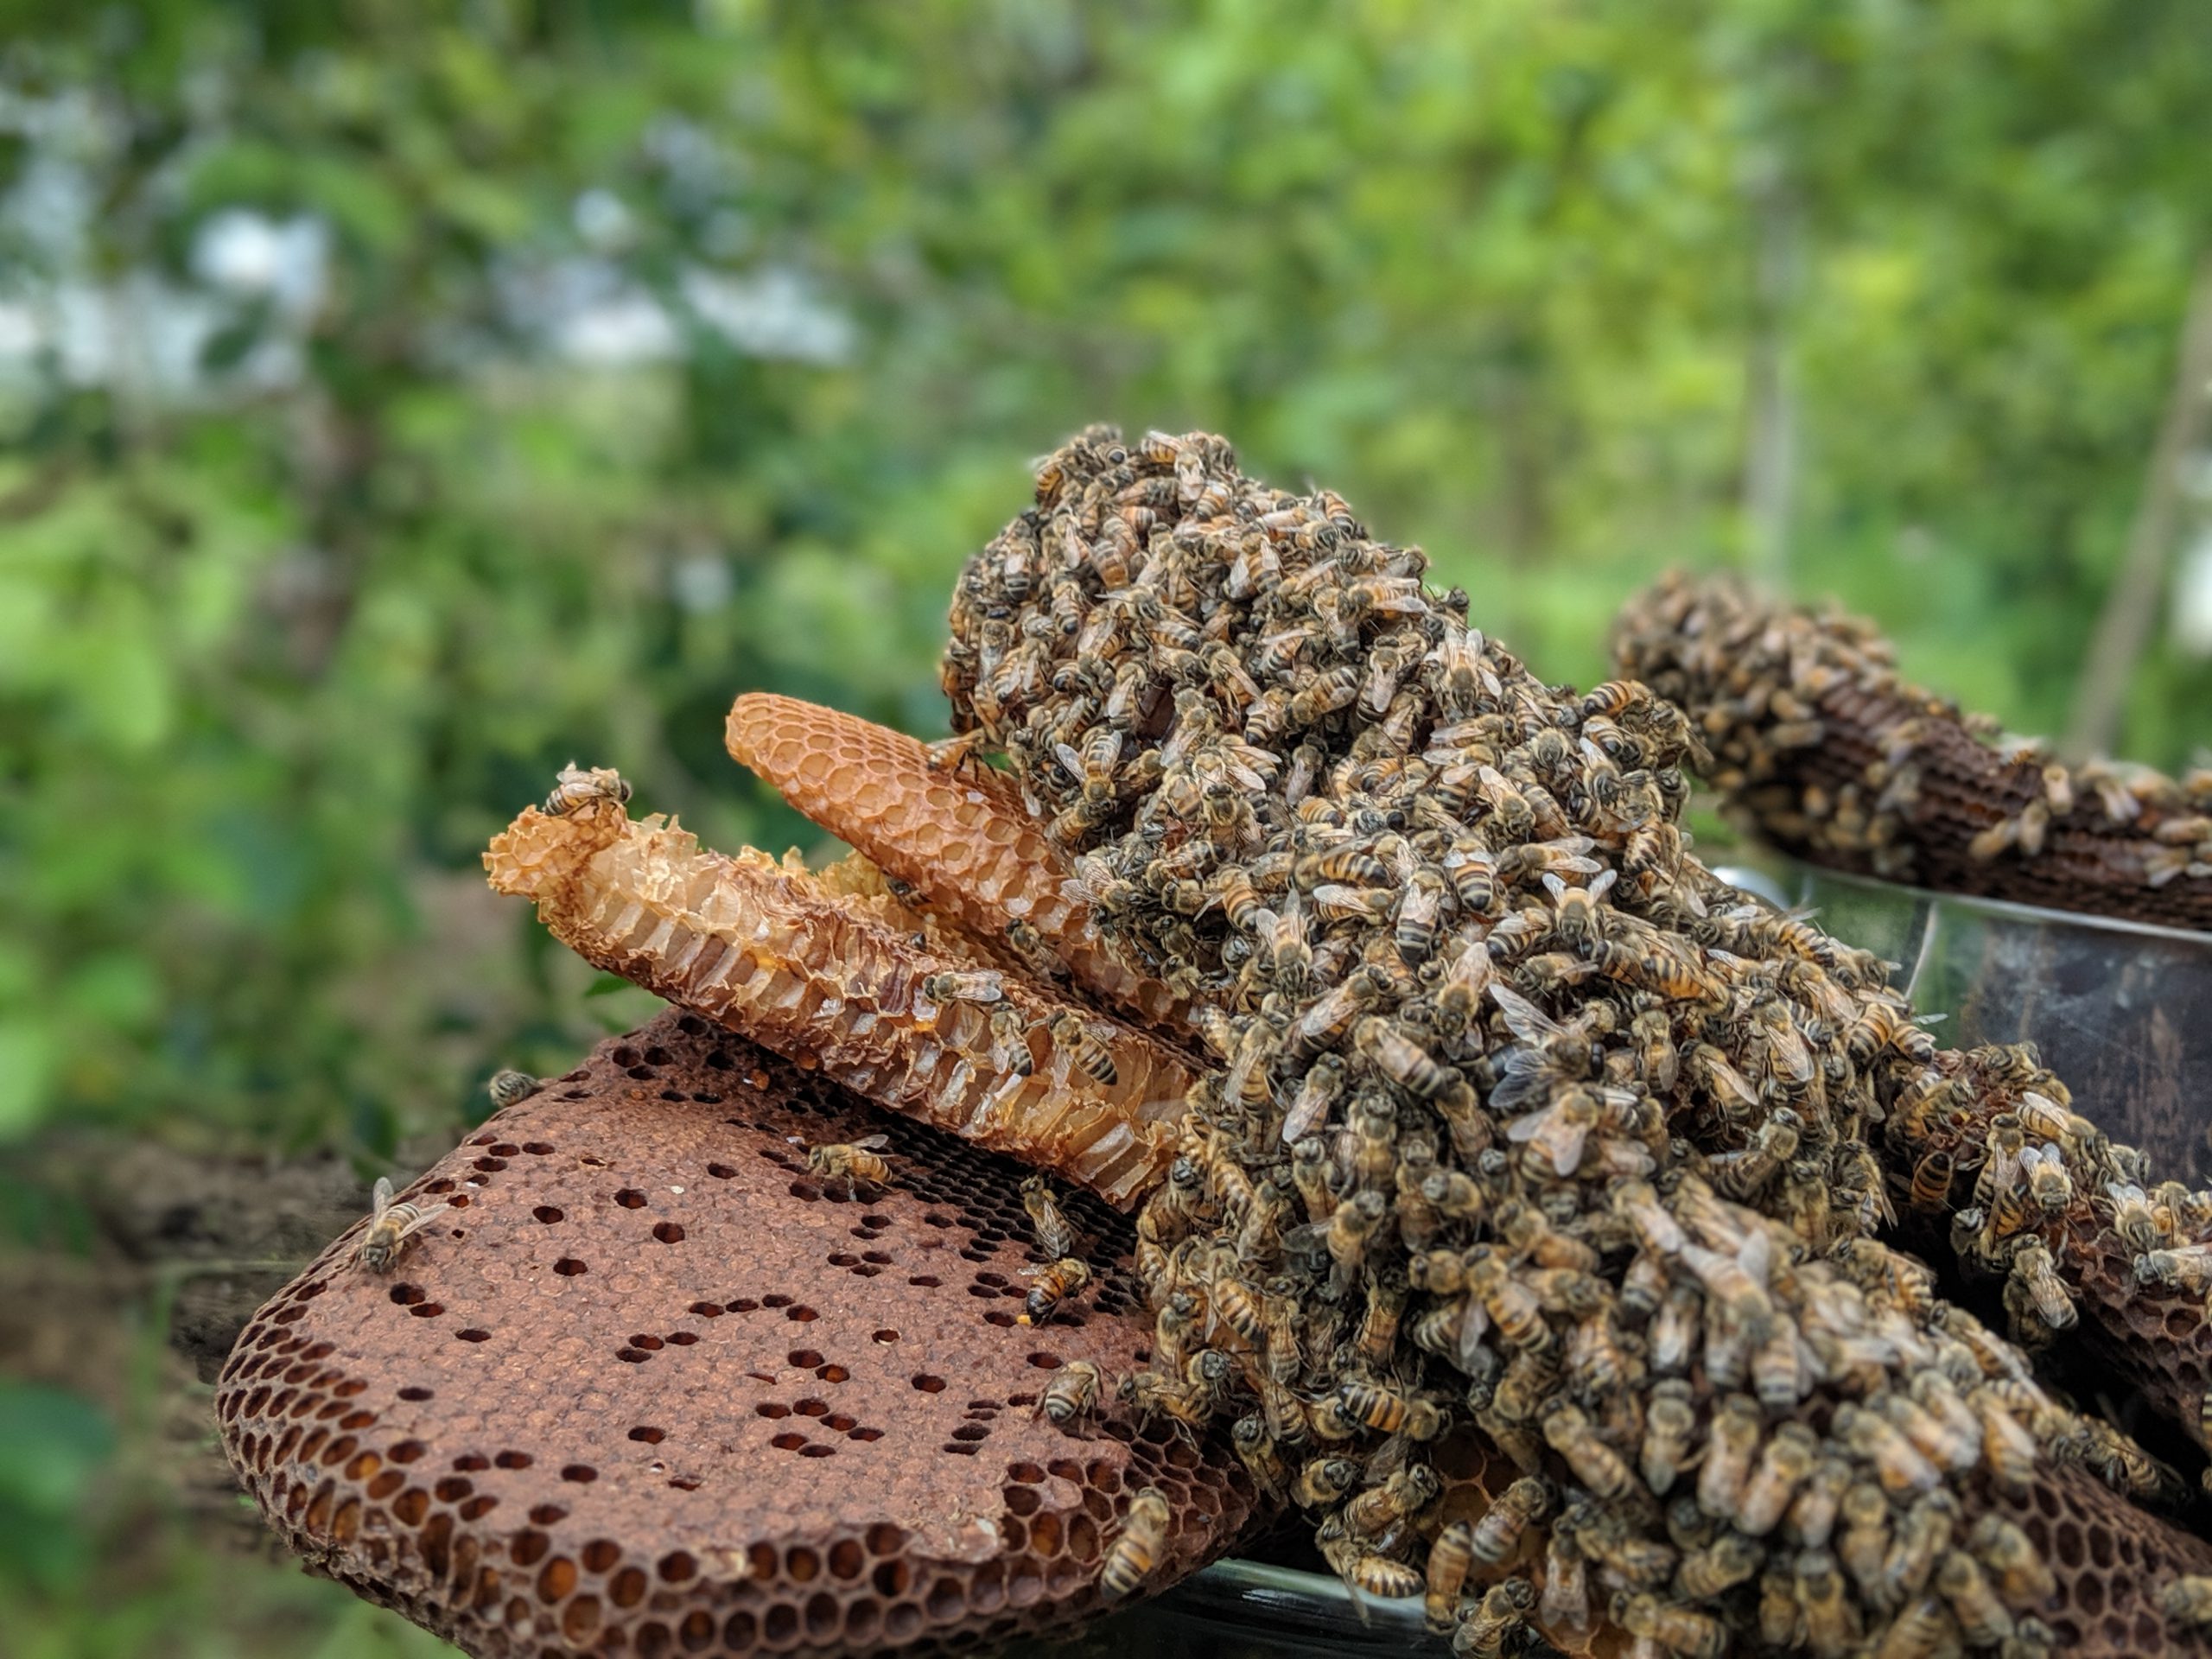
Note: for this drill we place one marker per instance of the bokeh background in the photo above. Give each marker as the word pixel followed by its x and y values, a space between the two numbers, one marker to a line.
pixel 398 397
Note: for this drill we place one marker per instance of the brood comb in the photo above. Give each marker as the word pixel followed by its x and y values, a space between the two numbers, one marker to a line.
pixel 649 1387
pixel 1831 755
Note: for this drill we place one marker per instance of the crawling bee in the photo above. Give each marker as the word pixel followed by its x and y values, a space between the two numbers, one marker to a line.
pixel 1135 1550
pixel 1073 1032
pixel 1487 1628
pixel 1669 1428
pixel 576 788
pixel 2037 1276
pixel 1677 1630
pixel 509 1088
pixel 1056 1282
pixel 1073 1393
pixel 2049 1185
pixel 1497 1535
pixel 390 1225
pixel 855 1163
pixel 2186 1600
pixel 985 986
pixel 1387 1411
pixel 1055 1232
pixel 1010 1053
pixel 1450 1559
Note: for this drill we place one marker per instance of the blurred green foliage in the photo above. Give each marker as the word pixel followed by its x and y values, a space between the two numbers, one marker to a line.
pixel 398 397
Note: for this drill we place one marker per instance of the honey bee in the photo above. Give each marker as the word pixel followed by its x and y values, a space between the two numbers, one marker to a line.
pixel 1897 1464
pixel 1731 1443
pixel 1073 1393
pixel 1556 1133
pixel 1675 1330
pixel 2186 1599
pixel 390 1225
pixel 1745 1173
pixel 985 986
pixel 2188 1268
pixel 1730 1091
pixel 1324 1481
pixel 1488 1629
pixel 1419 913
pixel 2022 1573
pixel 1496 1539
pixel 1310 1175
pixel 1399 1057
pixel 1330 1016
pixel 1367 1570
pixel 2135 1218
pixel 1351 1228
pixel 1405 1494
pixel 1072 1031
pixel 1324 696
pixel 1931 1180
pixel 1678 1629
pixel 1669 1428
pixel 1450 1559
pixel 1569 1431
pixel 576 788
pixel 510 1088
pixel 1056 1282
pixel 1135 1550
pixel 1153 1395
pixel 1831 1621
pixel 1378 1329
pixel 1387 1411
pixel 1055 1233
pixel 854 1163
pixel 1786 1463
pixel 1506 1300
pixel 2049 1185
pixel 2033 1268
pixel 1606 1538
pixel 1565 1604
pixel 1983 1620
pixel 1260 1455
pixel 1729 1560
pixel 1010 1055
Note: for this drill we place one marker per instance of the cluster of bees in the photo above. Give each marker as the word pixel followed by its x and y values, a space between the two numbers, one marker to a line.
pixel 2030 1190
pixel 1766 684
pixel 1519 1121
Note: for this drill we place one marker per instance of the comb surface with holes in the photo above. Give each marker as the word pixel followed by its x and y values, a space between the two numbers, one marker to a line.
pixel 653 1389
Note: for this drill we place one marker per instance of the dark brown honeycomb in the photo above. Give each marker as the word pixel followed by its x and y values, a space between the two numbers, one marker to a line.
pixel 650 1388
pixel 1813 734
pixel 2110 1558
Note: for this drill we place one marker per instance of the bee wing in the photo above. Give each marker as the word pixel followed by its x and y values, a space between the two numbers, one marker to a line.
pixel 1530 1126
pixel 799 1141
pixel 1070 761
pixel 1522 1018
pixel 421 1220
pixel 873 1143
pixel 380 1199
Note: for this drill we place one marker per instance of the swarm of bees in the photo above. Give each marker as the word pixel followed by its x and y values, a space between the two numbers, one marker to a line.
pixel 1519 1121
pixel 1818 742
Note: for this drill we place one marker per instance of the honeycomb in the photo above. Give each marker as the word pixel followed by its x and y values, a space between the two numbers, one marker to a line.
pixel 1831 755
pixel 767 950
pixel 963 838
pixel 2109 1560
pixel 2153 1335
pixel 649 1388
